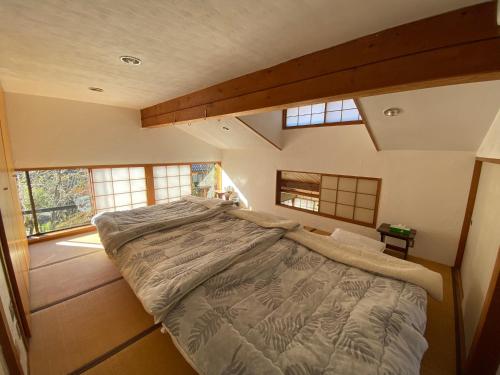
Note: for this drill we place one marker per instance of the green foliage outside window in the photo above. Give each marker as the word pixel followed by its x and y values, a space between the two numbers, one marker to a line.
pixel 61 198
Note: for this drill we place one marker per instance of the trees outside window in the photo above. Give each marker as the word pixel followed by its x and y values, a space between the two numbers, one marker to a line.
pixel 54 199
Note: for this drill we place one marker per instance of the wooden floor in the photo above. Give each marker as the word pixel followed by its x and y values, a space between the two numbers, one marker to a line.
pixel 86 319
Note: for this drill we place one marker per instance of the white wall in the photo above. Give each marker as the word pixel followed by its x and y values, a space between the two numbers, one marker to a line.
pixel 481 249
pixel 56 132
pixel 490 147
pixel 426 190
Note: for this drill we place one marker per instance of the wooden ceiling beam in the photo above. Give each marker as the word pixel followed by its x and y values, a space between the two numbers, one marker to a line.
pixel 456 47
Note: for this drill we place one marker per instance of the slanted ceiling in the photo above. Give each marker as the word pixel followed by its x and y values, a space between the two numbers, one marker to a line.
pixel 226 134
pixel 449 118
pixel 59 48
pixel 454 118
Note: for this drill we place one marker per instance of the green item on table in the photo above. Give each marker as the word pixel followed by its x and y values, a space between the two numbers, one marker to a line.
pixel 400 229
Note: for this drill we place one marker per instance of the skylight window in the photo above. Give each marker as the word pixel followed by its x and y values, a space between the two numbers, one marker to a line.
pixel 341 112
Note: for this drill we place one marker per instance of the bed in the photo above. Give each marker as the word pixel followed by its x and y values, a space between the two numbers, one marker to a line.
pixel 243 292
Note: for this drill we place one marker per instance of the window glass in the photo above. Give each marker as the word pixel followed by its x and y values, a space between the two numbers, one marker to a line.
pixel 61 198
pixel 65 198
pixel 24 199
pixel 300 190
pixel 204 179
pixel 323 113
pixel 172 182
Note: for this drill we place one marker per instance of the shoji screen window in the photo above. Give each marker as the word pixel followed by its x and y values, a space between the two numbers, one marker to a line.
pixel 171 182
pixel 348 198
pixel 118 189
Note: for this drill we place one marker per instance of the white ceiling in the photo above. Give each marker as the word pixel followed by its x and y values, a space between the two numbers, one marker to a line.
pixel 59 48
pixel 454 118
pixel 239 136
pixel 450 118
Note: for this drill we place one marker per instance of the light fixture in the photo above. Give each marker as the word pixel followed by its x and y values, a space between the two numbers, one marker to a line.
pixel 131 60
pixel 96 89
pixel 391 112
pixel 225 128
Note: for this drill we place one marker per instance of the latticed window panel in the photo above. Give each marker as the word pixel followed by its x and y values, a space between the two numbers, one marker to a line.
pixel 171 182
pixel 349 198
pixel 118 189
pixel 337 112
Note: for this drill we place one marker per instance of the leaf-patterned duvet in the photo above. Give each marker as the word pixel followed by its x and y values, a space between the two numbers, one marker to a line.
pixel 291 311
pixel 164 266
pixel 240 299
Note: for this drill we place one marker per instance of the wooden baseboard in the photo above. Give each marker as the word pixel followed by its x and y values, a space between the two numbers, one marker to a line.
pixel 60 234
pixel 459 320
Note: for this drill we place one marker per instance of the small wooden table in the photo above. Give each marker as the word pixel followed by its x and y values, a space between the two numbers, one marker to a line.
pixel 409 239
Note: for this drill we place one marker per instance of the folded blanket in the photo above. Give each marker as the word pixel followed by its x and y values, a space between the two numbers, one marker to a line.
pixel 264 219
pixel 357 240
pixel 208 202
pixel 379 263
pixel 367 260
pixel 118 228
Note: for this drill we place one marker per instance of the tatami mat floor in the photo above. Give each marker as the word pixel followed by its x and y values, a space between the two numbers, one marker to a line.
pixel 86 318
pixel 51 252
pixel 59 281
pixel 440 358
pixel 146 356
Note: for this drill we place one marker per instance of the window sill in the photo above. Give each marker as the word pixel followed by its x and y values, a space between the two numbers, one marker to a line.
pixel 328 216
pixel 60 233
pixel 344 123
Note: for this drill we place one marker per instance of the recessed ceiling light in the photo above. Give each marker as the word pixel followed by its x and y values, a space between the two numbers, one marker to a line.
pixel 225 128
pixel 97 89
pixel 391 112
pixel 131 60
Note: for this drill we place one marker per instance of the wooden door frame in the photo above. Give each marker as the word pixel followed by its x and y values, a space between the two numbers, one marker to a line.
pixel 9 350
pixel 484 351
pixel 14 293
pixel 471 200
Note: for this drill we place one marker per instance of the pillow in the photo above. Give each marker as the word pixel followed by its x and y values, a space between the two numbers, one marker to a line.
pixel 357 240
